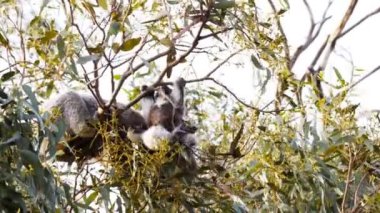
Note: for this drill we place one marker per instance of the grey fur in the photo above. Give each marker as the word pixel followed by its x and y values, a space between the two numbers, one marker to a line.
pixel 78 113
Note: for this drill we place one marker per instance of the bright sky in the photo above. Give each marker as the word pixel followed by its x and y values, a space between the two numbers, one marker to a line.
pixel 361 44
pixel 360 47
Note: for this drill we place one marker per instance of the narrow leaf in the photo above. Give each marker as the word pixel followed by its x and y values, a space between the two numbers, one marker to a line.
pixel 4 41
pixel 103 4
pixel 256 62
pixel 33 100
pixel 85 59
pixel 91 198
pixel 114 28
pixel 60 46
pixel 224 4
pixel 8 76
pixel 130 44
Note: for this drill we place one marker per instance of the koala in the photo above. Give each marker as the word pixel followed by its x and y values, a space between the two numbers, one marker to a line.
pixel 164 112
pixel 77 111
pixel 79 114
pixel 166 107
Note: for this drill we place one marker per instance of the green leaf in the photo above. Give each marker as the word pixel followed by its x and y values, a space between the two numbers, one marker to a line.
pixel 114 28
pixel 8 76
pixel 130 44
pixel 216 94
pixel 60 46
pixel 117 77
pixel 49 88
pixel 73 66
pixel 89 8
pixel 91 198
pixel 28 90
pixel 224 4
pixel 341 80
pixel 103 4
pixel 265 24
pixel 166 41
pixel 359 70
pixel 35 20
pixel 49 35
pixel 115 47
pixel 174 2
pixel 280 12
pixel 85 59
pixel 284 3
pixel 4 41
pixel 98 49
pixel 256 62
pixel 31 158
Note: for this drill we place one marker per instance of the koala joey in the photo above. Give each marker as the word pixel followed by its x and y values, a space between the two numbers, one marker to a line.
pixel 164 112
pixel 165 107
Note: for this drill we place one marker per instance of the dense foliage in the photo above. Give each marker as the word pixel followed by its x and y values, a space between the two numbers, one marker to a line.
pixel 305 151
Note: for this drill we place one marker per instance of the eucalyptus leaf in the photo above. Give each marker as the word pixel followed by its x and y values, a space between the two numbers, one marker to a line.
pixel 103 4
pixel 88 58
pixel 130 44
pixel 224 4
pixel 4 41
pixel 32 97
pixel 115 28
pixel 91 198
pixel 8 75
pixel 60 47
pixel 256 62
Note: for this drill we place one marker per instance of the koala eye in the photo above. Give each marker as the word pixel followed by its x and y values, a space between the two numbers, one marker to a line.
pixel 156 94
pixel 167 90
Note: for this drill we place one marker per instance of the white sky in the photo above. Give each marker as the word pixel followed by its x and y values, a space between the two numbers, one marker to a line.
pixel 361 46
pixel 362 43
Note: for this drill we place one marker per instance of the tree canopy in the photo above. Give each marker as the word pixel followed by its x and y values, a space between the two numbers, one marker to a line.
pixel 297 145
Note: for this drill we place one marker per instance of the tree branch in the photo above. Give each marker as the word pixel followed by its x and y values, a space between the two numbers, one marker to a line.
pixel 310 38
pixel 363 78
pixel 359 22
pixel 350 166
pixel 335 36
pixel 129 72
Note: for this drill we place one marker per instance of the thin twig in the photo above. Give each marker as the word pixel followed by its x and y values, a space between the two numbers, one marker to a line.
pixel 96 86
pixel 222 63
pixel 235 96
pixel 163 73
pixel 358 188
pixel 215 33
pixel 363 78
pixel 310 38
pixel 335 36
pixel 127 73
pixel 359 22
pixel 350 166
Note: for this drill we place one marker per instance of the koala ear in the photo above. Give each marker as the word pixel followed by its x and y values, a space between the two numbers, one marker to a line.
pixel 178 92
pixel 150 92
pixel 180 82
pixel 144 87
pixel 166 89
pixel 147 102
